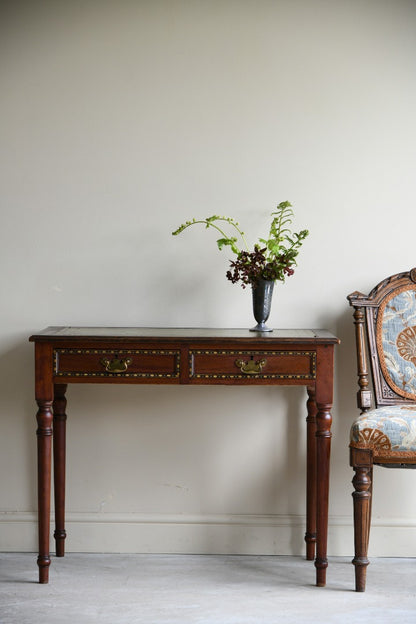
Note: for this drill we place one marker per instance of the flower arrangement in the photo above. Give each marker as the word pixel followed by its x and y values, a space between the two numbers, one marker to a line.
pixel 272 258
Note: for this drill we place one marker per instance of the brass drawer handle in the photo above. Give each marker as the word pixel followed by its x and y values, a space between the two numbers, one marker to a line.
pixel 116 365
pixel 251 367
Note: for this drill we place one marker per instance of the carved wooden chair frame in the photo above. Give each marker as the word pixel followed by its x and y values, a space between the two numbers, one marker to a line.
pixel 365 453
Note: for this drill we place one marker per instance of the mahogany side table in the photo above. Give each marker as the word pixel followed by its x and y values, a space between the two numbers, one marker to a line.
pixel 66 355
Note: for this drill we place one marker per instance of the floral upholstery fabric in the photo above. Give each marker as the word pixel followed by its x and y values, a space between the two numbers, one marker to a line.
pixel 396 342
pixel 388 430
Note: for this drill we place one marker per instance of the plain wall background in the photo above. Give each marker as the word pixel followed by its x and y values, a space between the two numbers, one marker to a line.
pixel 119 121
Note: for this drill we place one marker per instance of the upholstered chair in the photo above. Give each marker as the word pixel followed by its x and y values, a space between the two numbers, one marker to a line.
pixel 385 432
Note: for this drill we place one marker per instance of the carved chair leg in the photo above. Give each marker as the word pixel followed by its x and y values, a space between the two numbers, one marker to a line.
pixel 59 433
pixel 362 517
pixel 370 489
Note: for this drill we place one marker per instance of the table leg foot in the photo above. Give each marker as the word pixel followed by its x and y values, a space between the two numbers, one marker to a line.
pixel 321 566
pixel 60 536
pixel 44 563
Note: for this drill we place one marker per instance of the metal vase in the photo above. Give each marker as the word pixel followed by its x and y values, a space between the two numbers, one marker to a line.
pixel 262 302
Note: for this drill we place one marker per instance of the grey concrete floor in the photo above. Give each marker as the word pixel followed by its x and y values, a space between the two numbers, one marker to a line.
pixel 182 589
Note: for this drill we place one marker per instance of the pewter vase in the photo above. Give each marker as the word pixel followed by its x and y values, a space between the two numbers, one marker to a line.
pixel 262 301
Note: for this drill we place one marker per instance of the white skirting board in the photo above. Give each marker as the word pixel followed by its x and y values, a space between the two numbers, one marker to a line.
pixel 204 534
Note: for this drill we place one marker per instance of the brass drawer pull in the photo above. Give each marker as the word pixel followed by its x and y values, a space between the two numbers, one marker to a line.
pixel 251 367
pixel 116 365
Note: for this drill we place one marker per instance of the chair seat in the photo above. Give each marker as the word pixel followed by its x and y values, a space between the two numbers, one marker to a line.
pixel 390 431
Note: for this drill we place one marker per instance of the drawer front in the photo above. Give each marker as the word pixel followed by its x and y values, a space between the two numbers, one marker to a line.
pixel 139 363
pixel 229 364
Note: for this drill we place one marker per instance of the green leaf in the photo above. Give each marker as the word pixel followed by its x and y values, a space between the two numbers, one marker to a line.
pixel 221 242
pixel 228 242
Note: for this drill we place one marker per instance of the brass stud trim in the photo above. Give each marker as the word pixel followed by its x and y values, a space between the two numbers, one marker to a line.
pixel 121 352
pixel 307 377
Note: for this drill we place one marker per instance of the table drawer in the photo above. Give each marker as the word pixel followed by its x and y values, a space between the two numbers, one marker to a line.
pixel 142 363
pixel 230 364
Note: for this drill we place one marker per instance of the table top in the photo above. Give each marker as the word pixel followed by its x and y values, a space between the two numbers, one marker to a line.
pixel 69 333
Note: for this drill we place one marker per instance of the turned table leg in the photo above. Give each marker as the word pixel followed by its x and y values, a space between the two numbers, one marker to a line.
pixel 323 450
pixel 59 427
pixel 310 535
pixel 44 436
pixel 324 398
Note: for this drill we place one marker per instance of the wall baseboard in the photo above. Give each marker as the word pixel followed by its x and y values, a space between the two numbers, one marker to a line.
pixel 204 534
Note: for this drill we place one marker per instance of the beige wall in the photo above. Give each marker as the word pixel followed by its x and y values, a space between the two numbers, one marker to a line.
pixel 119 121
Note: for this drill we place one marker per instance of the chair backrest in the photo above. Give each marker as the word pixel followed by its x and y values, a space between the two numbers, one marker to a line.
pixel 385 322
